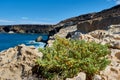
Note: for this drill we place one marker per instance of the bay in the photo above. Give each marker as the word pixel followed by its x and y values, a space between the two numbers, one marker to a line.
pixel 14 39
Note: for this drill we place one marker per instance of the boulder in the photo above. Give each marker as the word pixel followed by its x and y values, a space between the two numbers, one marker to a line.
pixel 116 45
pixel 65 31
pixel 80 76
pixel 114 28
pixel 97 77
pixel 17 63
pixel 39 39
pixel 10 32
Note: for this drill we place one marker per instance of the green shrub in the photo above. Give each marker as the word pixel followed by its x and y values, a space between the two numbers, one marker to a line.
pixel 66 58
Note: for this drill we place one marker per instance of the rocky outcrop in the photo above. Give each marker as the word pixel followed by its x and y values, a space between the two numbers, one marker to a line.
pixel 17 63
pixel 112 71
pixel 92 21
pixel 27 28
pixel 107 13
pixel 40 39
pixel 96 24
pixel 110 36
pixel 80 76
pixel 62 33
pixel 86 23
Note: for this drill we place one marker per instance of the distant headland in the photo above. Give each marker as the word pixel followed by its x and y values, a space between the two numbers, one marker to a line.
pixel 26 28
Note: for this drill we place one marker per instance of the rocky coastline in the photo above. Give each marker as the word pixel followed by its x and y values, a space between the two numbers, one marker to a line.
pixel 18 63
pixel 26 28
pixel 92 21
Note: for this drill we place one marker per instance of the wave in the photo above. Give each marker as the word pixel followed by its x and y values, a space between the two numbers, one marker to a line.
pixel 36 44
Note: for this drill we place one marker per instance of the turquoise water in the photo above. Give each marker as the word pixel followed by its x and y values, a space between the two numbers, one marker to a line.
pixel 11 40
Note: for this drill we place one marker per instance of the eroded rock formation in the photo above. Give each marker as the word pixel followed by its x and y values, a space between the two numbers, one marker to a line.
pixel 17 63
pixel 92 21
pixel 27 28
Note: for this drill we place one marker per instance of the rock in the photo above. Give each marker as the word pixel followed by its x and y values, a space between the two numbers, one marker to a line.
pixel 65 31
pixel 93 21
pixel 10 32
pixel 80 76
pixel 39 39
pixel 116 44
pixel 97 77
pixel 50 43
pixel 114 28
pixel 117 55
pixel 21 31
pixel 17 63
pixel 112 71
pixel 99 34
pixel 76 35
pixel 26 28
pixel 116 36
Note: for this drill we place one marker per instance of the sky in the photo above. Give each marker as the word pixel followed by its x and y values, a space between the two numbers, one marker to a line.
pixel 48 11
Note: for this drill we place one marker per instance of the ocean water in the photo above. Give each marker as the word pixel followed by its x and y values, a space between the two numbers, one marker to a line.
pixel 12 40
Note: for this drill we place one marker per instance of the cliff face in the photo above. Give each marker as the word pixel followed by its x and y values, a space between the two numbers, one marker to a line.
pixel 95 24
pixel 17 63
pixel 26 28
pixel 89 22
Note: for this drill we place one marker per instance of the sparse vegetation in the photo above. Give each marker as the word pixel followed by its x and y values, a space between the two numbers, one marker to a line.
pixel 66 58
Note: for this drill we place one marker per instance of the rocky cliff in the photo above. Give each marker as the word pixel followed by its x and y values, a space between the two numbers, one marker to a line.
pixel 92 21
pixel 112 12
pixel 17 63
pixel 26 28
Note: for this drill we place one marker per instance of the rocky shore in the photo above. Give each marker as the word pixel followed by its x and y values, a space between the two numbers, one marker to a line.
pixel 92 21
pixel 18 63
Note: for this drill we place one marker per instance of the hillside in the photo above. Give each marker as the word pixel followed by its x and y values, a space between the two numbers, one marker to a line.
pixel 92 21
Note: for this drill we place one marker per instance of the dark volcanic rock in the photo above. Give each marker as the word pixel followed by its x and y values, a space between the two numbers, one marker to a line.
pixel 112 12
pixel 27 28
pixel 95 24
